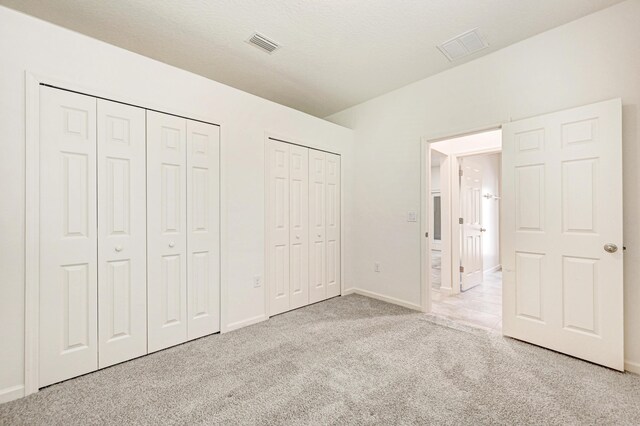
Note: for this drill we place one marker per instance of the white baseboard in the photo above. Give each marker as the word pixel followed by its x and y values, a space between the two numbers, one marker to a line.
pixel 494 269
pixel 9 394
pixel 244 323
pixel 632 367
pixel 384 298
pixel 445 291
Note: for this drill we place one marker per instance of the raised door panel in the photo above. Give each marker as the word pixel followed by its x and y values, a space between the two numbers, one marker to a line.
pixel 278 226
pixel 203 224
pixel 332 203
pixel 68 344
pixel 317 227
pixel 122 260
pixel 299 226
pixel 166 230
pixel 528 285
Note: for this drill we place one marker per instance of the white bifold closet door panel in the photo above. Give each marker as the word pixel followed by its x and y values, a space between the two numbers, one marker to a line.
pixel 317 227
pixel 122 260
pixel 332 196
pixel 288 226
pixel 278 226
pixel 298 226
pixel 166 230
pixel 203 238
pixel 68 237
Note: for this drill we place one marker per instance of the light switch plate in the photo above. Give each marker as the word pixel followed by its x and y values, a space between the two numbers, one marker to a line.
pixel 412 216
pixel 257 281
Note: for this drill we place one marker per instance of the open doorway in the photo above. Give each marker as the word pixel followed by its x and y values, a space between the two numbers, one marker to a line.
pixel 464 221
pixel 561 247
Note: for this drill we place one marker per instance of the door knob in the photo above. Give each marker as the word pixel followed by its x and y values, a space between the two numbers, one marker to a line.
pixel 118 248
pixel 319 235
pixel 172 244
pixel 297 237
pixel 483 229
pixel 610 248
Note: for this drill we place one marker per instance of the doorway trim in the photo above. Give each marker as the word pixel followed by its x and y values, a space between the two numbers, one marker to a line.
pixel 425 203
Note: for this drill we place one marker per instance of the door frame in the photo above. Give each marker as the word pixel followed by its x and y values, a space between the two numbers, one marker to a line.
pixel 33 81
pixel 454 206
pixel 267 197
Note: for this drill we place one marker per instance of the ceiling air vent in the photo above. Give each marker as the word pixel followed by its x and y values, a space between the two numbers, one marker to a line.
pixel 463 45
pixel 263 43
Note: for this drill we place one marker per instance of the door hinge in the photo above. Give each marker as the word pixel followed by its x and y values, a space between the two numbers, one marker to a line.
pixel 460 172
pixel 426 235
pixel 461 221
pixel 462 269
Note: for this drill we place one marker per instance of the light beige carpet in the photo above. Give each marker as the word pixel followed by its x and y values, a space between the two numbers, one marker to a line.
pixel 349 360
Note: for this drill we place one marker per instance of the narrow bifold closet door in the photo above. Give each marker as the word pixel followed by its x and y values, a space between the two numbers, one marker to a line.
pixel 562 232
pixel 183 229
pixel 278 226
pixel 166 230
pixel 299 226
pixel 68 236
pixel 324 225
pixel 317 227
pixel 203 223
pixel 332 194
pixel 122 260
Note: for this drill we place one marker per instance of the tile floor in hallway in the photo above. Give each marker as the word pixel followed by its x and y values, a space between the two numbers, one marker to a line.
pixel 480 306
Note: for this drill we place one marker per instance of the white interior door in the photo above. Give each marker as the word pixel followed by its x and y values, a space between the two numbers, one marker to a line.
pixel 203 221
pixel 471 230
pixel 166 230
pixel 562 234
pixel 317 227
pixel 68 237
pixel 278 226
pixel 332 195
pixel 122 260
pixel 298 226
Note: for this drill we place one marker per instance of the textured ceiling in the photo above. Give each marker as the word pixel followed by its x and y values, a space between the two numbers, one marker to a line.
pixel 335 53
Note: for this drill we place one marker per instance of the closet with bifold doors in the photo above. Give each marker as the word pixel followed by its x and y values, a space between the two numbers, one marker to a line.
pixel 303 225
pixel 128 232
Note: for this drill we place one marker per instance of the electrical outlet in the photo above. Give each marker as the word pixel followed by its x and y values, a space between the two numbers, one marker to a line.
pixel 376 267
pixel 257 281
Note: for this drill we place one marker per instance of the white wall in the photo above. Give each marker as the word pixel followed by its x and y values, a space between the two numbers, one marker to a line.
pixel 589 60
pixel 36 46
pixel 490 208
pixel 435 178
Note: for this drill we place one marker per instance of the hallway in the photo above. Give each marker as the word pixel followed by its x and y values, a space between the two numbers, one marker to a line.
pixel 480 306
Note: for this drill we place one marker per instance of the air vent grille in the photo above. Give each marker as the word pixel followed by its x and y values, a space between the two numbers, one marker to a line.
pixel 263 43
pixel 463 45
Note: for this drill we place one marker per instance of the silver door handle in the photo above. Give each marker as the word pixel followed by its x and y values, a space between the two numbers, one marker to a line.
pixel 172 244
pixel 610 248
pixel 118 248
